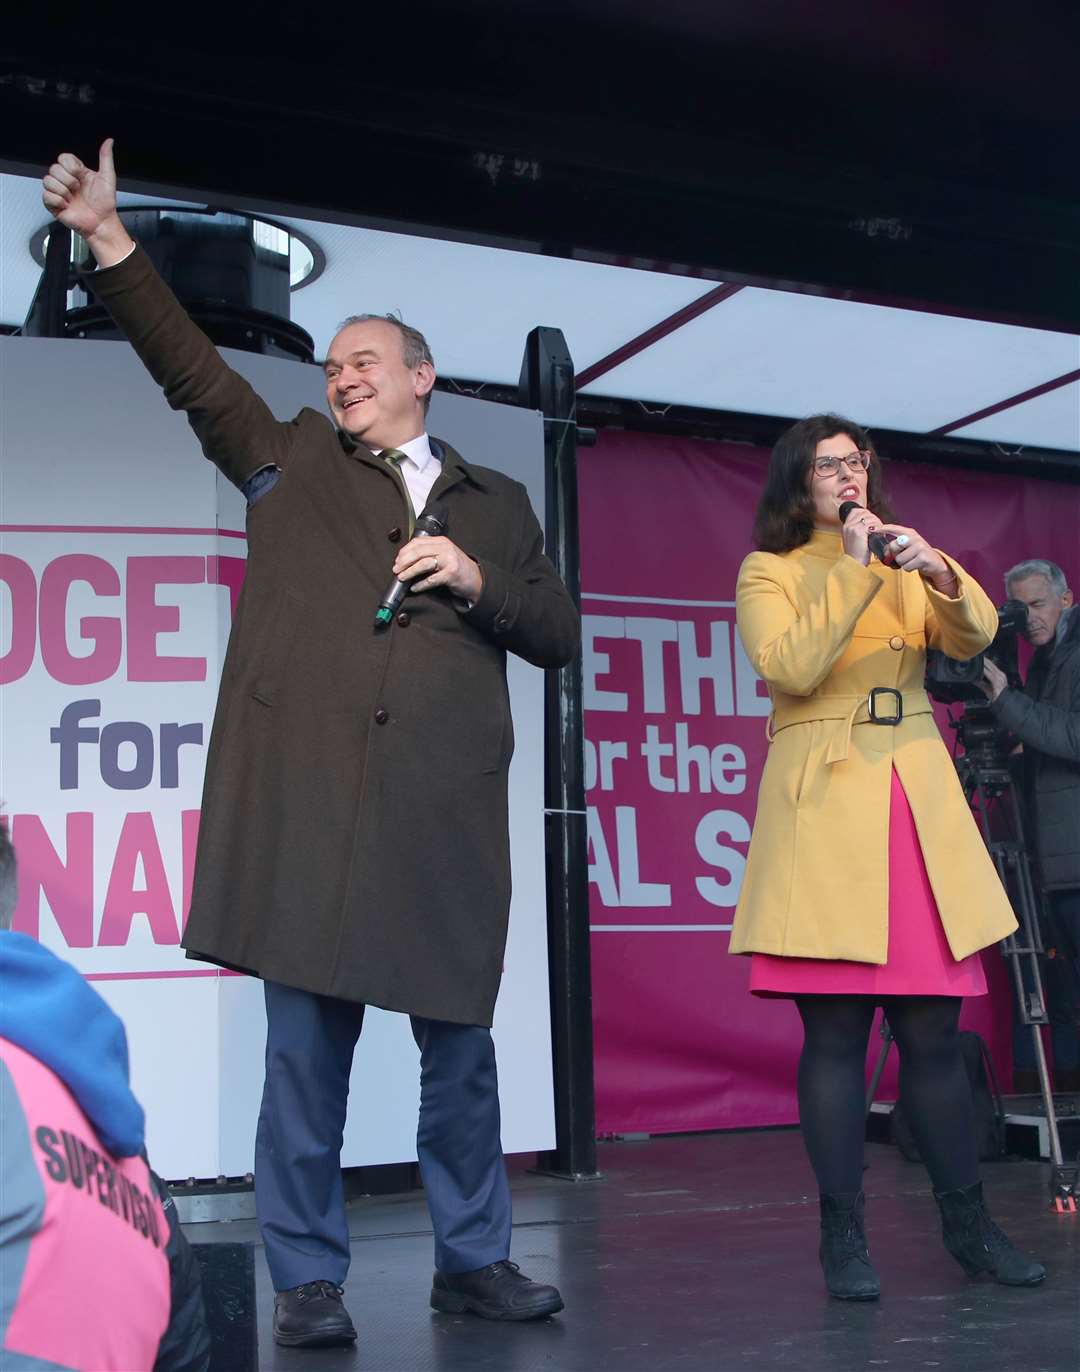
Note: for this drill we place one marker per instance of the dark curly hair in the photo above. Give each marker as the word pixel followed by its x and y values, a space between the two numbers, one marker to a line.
pixel 785 512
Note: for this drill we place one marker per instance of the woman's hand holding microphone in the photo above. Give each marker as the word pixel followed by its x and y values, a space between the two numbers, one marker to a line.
pixel 906 549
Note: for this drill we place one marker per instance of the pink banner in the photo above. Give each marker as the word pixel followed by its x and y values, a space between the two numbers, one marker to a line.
pixel 675 723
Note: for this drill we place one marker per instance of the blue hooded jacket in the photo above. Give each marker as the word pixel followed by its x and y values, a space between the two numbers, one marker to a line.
pixel 50 1011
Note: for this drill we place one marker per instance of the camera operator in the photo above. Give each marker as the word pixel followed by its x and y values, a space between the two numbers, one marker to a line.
pixel 1045 717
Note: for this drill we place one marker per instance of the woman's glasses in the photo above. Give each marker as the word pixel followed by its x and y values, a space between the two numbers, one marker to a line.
pixel 829 466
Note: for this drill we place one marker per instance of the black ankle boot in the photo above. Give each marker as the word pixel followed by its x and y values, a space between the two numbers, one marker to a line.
pixel 845 1259
pixel 977 1243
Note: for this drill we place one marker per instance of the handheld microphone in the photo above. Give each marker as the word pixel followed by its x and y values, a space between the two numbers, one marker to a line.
pixel 876 542
pixel 431 524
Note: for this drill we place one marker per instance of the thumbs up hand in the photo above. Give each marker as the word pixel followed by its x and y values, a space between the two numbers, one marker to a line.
pixel 85 200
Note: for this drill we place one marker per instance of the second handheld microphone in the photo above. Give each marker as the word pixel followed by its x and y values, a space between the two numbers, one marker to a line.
pixel 876 542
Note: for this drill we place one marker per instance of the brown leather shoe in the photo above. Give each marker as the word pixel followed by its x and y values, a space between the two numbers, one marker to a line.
pixel 312 1316
pixel 496 1292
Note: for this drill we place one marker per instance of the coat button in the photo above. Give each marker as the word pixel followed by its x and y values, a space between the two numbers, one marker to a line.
pixel 403 619
pixel 394 535
pixel 381 716
pixel 502 624
pixel 896 643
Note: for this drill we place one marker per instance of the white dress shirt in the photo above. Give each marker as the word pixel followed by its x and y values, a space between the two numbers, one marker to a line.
pixel 420 470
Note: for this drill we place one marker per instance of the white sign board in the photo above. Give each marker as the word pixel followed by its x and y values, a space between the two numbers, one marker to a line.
pixel 121 552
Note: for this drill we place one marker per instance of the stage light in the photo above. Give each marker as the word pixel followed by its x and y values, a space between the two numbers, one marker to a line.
pixel 307 261
pixel 234 273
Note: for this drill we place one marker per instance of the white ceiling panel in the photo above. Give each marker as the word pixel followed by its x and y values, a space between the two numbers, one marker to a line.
pixel 1048 421
pixel 476 304
pixel 760 352
pixel 772 352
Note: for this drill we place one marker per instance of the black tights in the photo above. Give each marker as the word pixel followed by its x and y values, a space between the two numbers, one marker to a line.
pixel 933 1086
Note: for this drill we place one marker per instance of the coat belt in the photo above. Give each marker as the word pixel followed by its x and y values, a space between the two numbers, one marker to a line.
pixel 847 710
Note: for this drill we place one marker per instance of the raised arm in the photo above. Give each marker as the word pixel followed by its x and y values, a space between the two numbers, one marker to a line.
pixel 234 426
pixel 963 621
pixel 795 652
pixel 960 617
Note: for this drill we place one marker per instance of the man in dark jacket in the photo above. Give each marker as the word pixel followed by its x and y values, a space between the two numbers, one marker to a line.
pixel 1045 716
pixel 354 845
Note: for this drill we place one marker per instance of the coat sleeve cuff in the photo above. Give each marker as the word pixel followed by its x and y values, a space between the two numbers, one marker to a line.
pixel 497 609
pixel 939 597
pixel 108 282
pixel 964 624
pixel 857 577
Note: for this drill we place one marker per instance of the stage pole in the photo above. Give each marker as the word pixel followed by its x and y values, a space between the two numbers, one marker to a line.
pixel 547 385
pixel 45 318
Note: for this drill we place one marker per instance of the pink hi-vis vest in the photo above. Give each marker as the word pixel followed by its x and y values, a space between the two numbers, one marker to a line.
pixel 84 1280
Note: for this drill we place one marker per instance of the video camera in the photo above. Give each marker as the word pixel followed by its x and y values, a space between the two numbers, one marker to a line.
pixel 950 680
pixel 985 742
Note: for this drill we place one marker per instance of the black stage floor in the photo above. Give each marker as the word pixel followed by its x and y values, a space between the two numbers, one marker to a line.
pixel 699 1252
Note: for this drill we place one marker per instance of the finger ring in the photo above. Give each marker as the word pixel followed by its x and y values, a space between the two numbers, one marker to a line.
pixel 902 540
pixel 436 562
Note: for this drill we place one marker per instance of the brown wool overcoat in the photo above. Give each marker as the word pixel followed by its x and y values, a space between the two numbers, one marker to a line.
pixel 354 837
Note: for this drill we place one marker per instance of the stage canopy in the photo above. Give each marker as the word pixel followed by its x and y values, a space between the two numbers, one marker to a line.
pixel 662 337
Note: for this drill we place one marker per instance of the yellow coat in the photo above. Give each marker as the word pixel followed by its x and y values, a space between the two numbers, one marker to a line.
pixel 822 630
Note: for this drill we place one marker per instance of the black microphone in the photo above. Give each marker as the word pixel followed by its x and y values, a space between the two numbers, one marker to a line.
pixel 876 542
pixel 431 524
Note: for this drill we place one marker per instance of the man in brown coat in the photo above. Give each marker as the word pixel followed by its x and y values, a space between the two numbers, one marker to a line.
pixel 354 846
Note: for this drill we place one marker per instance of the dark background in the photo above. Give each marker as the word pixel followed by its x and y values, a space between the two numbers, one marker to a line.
pixel 912 151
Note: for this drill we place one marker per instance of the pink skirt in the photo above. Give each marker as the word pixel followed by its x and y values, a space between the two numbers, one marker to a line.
pixel 919 960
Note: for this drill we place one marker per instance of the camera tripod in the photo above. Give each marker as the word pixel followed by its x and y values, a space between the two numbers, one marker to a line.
pixel 985 777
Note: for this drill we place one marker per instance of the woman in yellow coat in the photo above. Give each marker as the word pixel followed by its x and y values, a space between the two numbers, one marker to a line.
pixel 867 882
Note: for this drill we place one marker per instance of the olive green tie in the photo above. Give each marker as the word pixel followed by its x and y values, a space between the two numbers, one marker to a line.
pixel 393 458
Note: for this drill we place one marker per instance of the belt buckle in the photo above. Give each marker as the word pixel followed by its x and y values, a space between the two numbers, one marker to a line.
pixel 871 705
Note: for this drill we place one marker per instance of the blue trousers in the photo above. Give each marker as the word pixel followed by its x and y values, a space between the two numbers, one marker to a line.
pixel 299 1197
